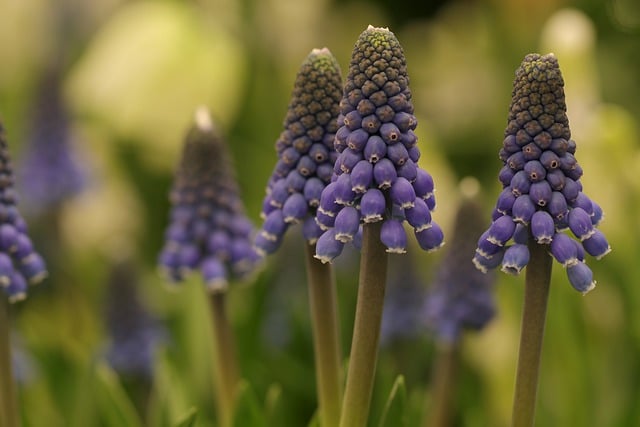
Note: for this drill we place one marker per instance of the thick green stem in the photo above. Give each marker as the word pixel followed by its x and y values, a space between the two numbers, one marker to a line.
pixel 326 338
pixel 443 386
pixel 8 402
pixel 225 362
pixel 536 294
pixel 366 329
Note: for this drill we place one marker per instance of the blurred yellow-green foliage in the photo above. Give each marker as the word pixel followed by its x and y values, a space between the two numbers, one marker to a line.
pixel 133 74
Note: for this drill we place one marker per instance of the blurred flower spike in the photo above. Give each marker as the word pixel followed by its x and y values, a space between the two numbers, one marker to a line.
pixel 542 194
pixel 306 154
pixel 20 264
pixel 376 175
pixel 208 228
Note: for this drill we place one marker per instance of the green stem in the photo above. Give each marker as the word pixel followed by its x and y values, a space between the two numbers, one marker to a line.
pixel 225 362
pixel 443 385
pixel 366 329
pixel 534 312
pixel 326 337
pixel 8 403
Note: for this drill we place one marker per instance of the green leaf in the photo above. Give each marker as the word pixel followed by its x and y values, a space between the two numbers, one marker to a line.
pixel 315 420
pixel 248 412
pixel 188 419
pixel 273 406
pixel 394 410
pixel 115 407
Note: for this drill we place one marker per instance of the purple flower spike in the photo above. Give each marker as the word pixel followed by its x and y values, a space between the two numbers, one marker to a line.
pixel 581 277
pixel 515 258
pixel 393 236
pixel 346 224
pixel 542 227
pixel 208 215
pixel 540 168
pixel 328 247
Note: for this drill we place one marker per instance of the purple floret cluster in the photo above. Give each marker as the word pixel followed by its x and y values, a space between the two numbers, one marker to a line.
pixel 376 175
pixel 208 229
pixel 542 195
pixel 20 264
pixel 305 153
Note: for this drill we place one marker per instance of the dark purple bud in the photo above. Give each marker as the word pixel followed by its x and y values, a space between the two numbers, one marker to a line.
pixel 295 208
pixel 430 239
pixel 584 202
pixel 346 224
pixel 550 160
pixel 398 154
pixel 405 121
pixel 531 151
pixel 327 247
pixel 535 171
pixel 596 245
pixel 597 214
pixel 343 192
pixel 509 144
pixel 516 161
pixel 423 185
pixel 214 274
pixel 176 232
pixel 580 224
pixel 17 288
pixel 543 227
pixel 575 173
pixel 402 193
pixel 366 107
pixel 520 183
pixel 521 234
pixel 319 152
pixel 540 193
pixel 361 176
pixel 398 102
pixel 384 173
pixel 347 160
pixel 357 139
pixel 486 263
pixel 312 190
pixel 311 230
pixel 218 243
pixel 505 175
pixel 390 133
pixel 523 209
pixel 515 258
pixel 295 181
pixel 543 139
pixel 408 139
pixel 375 149
pixel 559 146
pixel 567 162
pixel 556 178
pixel 571 189
pixel 279 193
pixel 563 249
pixel 372 205
pixel 324 171
pixel 371 123
pixel 418 216
pixel 414 153
pixel 485 247
pixel 431 202
pixel 274 226
pixel 352 120
pixel 8 237
pixel 324 220
pixel 408 170
pixel 24 247
pixel 266 246
pixel 501 230
pixel 505 201
pixel 581 277
pixel 290 156
pixel 340 141
pixel 393 236
pixel 189 256
pixel 328 203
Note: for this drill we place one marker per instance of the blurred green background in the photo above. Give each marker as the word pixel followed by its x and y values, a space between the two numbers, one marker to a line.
pixel 133 73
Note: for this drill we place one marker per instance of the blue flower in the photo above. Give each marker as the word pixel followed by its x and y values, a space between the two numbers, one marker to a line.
pixel 20 264
pixel 208 230
pixel 376 171
pixel 306 157
pixel 541 182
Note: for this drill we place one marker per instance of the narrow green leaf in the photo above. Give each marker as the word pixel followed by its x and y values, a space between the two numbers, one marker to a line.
pixel 248 412
pixel 315 420
pixel 273 406
pixel 394 410
pixel 114 406
pixel 188 419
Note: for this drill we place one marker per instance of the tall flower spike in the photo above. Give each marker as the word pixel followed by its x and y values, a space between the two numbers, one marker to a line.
pixel 50 171
pixel 19 262
pixel 208 230
pixel 305 152
pixel 376 127
pixel 461 297
pixel 543 175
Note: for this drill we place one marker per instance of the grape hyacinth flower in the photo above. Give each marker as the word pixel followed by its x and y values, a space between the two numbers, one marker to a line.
pixel 376 177
pixel 209 230
pixel 306 158
pixel 376 186
pixel 542 197
pixel 542 194
pixel 50 171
